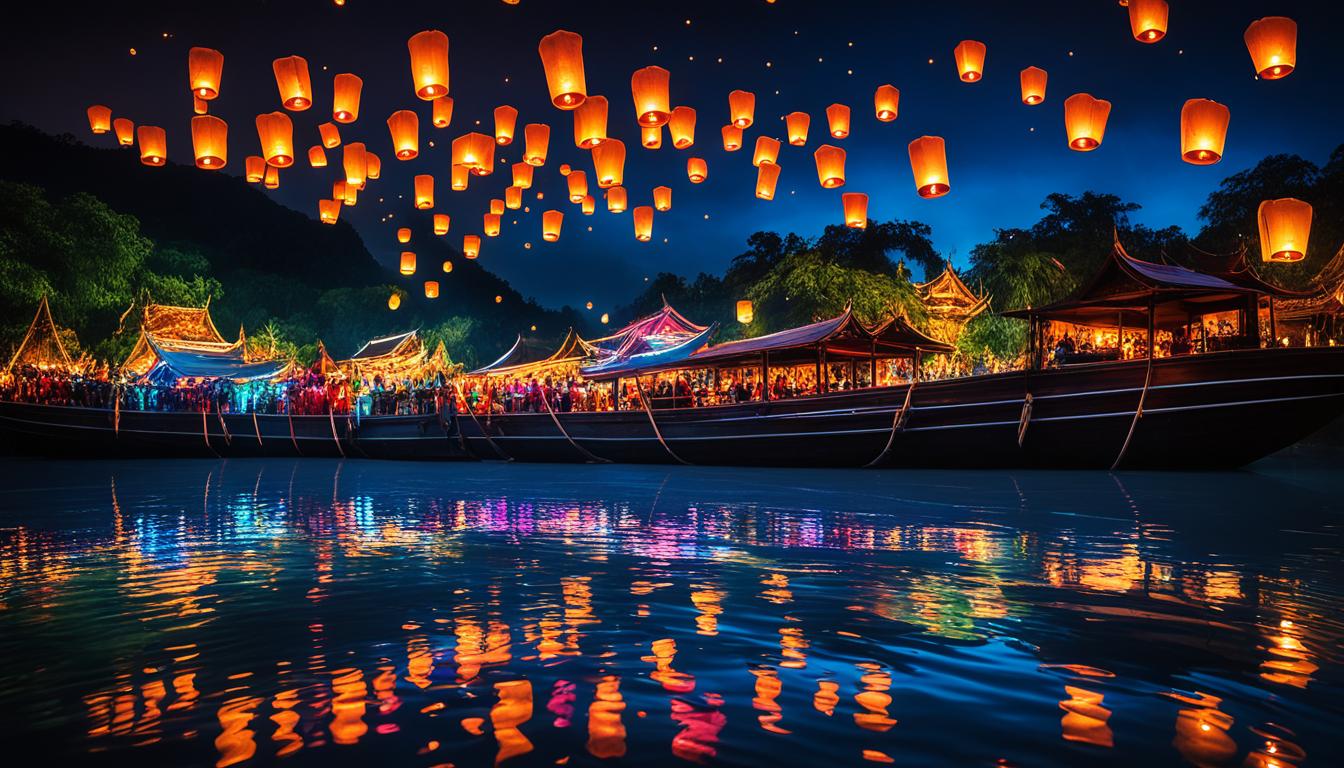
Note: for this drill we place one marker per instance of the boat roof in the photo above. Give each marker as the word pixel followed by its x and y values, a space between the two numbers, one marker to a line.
pixel 387 345
pixel 527 353
pixel 173 364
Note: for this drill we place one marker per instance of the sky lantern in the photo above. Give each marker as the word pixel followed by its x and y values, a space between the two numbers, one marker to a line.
pixel 588 206
pixel 605 317
pixel 643 218
pixel 291 77
pixel 459 177
pixel 447 266
pixel 1033 86
pixel 100 118
pixel 317 157
pixel 562 59
pixel 441 223
pixel 394 301
pixel 856 209
pixel 1203 131
pixel 886 102
pixel 745 312
pixel 498 299
pixel 431 289
pixel 254 168
pixel 522 175
pixel 536 140
pixel 338 191
pixel 830 166
pixel 1085 121
pixel 210 142
pixel 199 106
pixel 496 206
pixel 697 170
pixel 564 169
pixel 651 137
pixel 424 191
pixel 741 108
pixel 328 211
pixel 1148 20
pixel 277 139
pixel 578 186
pixel 407 263
pixel 767 176
pixel 490 224
pixel 429 63
pixel 153 142
pixel 837 118
pixel 205 68
pixel 356 164
pixel 506 119
pixel 732 138
pixel 471 246
pixel 796 125
pixel 662 198
pixel 125 130
pixel 970 58
pixel 513 197
pixel 550 225
pixel 609 163
pixel 349 195
pixel 272 181
pixel 404 125
pixel 681 127
pixel 590 122
pixel 1285 225
pixel 345 97
pixel 475 152
pixel 442 113
pixel 617 199
pixel 403 234
pixel 374 165
pixel 928 162
pixel 653 103
pixel 767 151
pixel 1272 42
pixel 330 134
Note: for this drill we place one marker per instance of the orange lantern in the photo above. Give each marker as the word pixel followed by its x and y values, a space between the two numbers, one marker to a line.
pixel 651 136
pixel 745 312
pixel 741 108
pixel 643 217
pixel 498 299
pixel 330 134
pixel 578 186
pixel 970 57
pixel 590 122
pixel 490 224
pixel 562 59
pixel 125 130
pixel 424 191
pixel 471 246
pixel 403 234
pixel 830 166
pixel 681 127
pixel 291 77
pixel 350 193
pixel 404 126
pixel 886 102
pixel 767 176
pixel 338 191
pixel 100 118
pixel 796 125
pixel 1272 42
pixel 732 138
pixel 662 198
pixel 205 69
pixel 407 263
pixel 210 142
pixel 429 63
pixel 1148 20
pixel 441 223
pixel 550 224
pixel 767 151
pixel 1085 121
pixel 928 162
pixel 1203 131
pixel 506 118
pixel 442 113
pixel 394 301
pixel 254 168
pixel 856 209
pixel 200 106
pixel 374 166
pixel 272 181
pixel 431 289
pixel 588 206
pixel 345 99
pixel 609 163
pixel 328 211
pixel 459 178
pixel 153 144
pixel 497 206
pixel 837 117
pixel 1285 225
pixel 356 164
pixel 522 175
pixel 277 139
pixel 1033 86
pixel 513 197
pixel 653 103
pixel 697 170
pixel 447 266
pixel 475 152
pixel 536 140
pixel 617 199
pixel 317 157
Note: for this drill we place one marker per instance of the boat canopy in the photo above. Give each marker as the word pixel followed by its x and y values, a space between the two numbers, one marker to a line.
pixel 662 358
pixel 526 355
pixel 172 365
pixel 42 345
pixel 177 329
pixel 664 329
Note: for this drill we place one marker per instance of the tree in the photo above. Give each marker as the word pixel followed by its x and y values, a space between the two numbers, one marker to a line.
pixel 807 287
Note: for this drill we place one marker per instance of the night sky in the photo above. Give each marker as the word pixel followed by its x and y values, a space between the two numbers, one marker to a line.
pixel 794 54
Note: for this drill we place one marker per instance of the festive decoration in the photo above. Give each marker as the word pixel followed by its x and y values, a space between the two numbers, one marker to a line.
pixel 475 152
pixel 432 289
pixel 562 59
pixel 254 168
pixel 407 263
pixel 506 117
pixel 317 157
pixel 617 199
pixel 356 164
pixel 1148 20
pixel 328 211
pixel 330 134
pixel 928 161
pixel 697 170
pixel 767 176
pixel 205 69
pixel 856 209
pixel 291 78
pixel 578 186
pixel 550 224
pixel 374 165
pixel 609 163
pixel 643 219
pixel 830 166
pixel 1033 86
pixel 970 58
pixel 1272 42
pixel 536 140
pixel 276 133
pixel 490 224
pixel 153 142
pixel 441 223
pixel 471 246
pixel 125 130
pixel 210 142
pixel 458 178
pixel 394 301
pixel 403 234
pixel 513 197
pixel 651 136
pixel 1085 121
pixel 732 138
pixel 745 312
pixel 837 118
pixel 272 181
pixel 1203 131
pixel 424 191
pixel 741 108
pixel 522 175
pixel 681 127
pixel 404 126
pixel 886 102
pixel 1285 225
pixel 796 125
pixel 345 98
pixel 662 198
pixel 429 63
pixel 649 87
pixel 767 151
pixel 100 118
pixel 590 122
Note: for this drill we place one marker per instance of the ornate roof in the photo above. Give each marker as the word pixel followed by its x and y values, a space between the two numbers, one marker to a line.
pixel 948 295
pixel 41 345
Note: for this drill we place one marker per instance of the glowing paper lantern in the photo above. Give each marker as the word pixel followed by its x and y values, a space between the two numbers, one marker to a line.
pixel 345 99
pixel 374 166
pixel 431 289
pixel 609 163
pixel 970 58
pixel 697 170
pixel 475 152
pixel 605 317
pixel 429 63
pixel 442 113
pixel 796 125
pixel 1285 225
pixel 745 311
pixel 447 266
pixel 837 118
pixel 550 225
pixel 498 299
pixel 403 234
pixel 490 224
pixel 272 181
pixel 830 166
pixel 562 59
pixel 651 136
pixel 356 164
pixel 741 108
pixel 210 142
pixel 513 197
pixel 441 223
pixel 349 192
pixel 617 199
pixel 205 69
pixel 732 138
pixel 681 127
pixel 407 263
pixel 578 186
pixel 1203 131
pixel 125 130
pixel 1085 121
pixel 1033 86
pixel 1272 42
pixel 254 168
pixel 277 139
pixel 459 178
pixel 291 77
pixel 394 301
pixel 317 157
pixel 522 175
pixel 653 104
pixel 767 151
pixel 330 134
pixel 404 126
pixel 767 176
pixel 338 191
pixel 153 144
pixel 424 191
pixel 536 140
pixel 200 106
pixel 506 118
pixel 471 246
pixel 590 122
pixel 643 218
pixel 886 102
pixel 328 211
pixel 1148 20
pixel 856 209
pixel 496 206
pixel 588 206
pixel 662 198
pixel 928 162
pixel 100 118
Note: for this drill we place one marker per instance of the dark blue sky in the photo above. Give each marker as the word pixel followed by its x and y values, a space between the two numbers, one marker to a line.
pixel 794 54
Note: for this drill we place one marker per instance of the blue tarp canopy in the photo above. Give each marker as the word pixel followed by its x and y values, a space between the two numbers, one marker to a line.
pixel 656 359
pixel 182 364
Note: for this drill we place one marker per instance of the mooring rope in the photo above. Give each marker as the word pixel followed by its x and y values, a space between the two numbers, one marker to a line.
pixel 483 431
pixel 898 418
pixel 331 416
pixel 289 414
pixel 255 426
pixel 654 422
pixel 1025 419
pixel 559 426
pixel 1138 413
